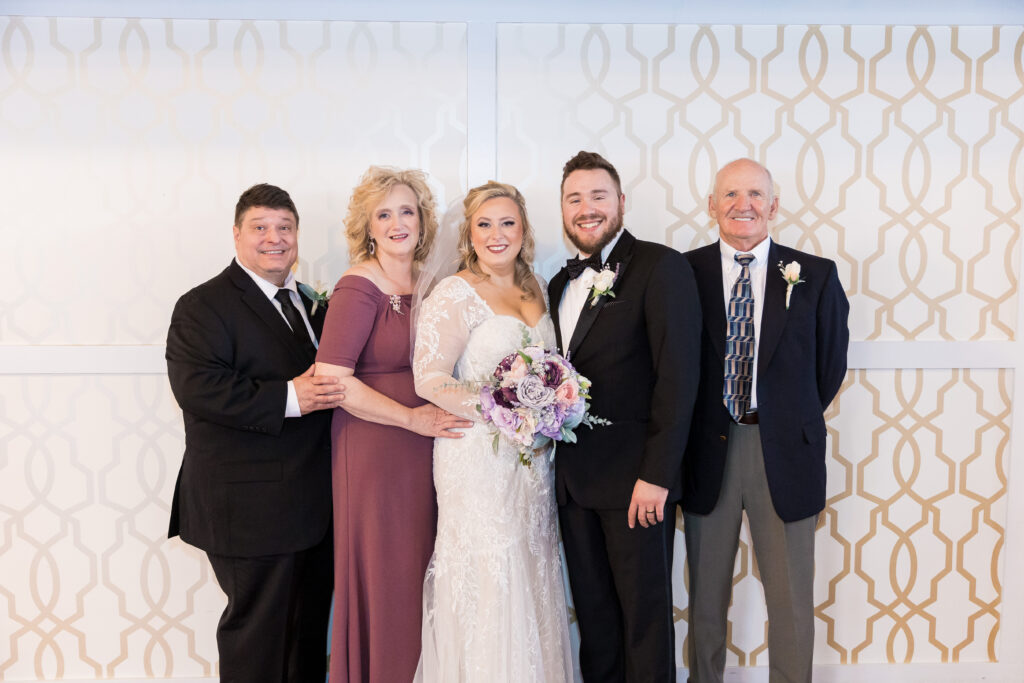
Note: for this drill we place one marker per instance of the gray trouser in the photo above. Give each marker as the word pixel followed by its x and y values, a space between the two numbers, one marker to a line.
pixel 785 558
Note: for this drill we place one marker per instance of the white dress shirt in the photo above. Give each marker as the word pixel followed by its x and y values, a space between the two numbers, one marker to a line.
pixel 758 275
pixel 576 295
pixel 292 408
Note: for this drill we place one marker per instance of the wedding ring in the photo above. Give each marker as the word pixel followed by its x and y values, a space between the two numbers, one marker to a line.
pixel 651 511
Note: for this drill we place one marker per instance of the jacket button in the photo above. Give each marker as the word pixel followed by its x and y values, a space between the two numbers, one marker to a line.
pixel 722 437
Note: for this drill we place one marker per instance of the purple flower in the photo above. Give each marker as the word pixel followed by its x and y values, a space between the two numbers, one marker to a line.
pixel 553 373
pixel 505 420
pixel 505 397
pixel 532 393
pixel 505 364
pixel 550 424
pixel 574 415
pixel 486 400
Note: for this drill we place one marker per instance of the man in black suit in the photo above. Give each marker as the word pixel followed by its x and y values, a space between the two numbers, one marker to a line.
pixel 627 316
pixel 254 490
pixel 773 355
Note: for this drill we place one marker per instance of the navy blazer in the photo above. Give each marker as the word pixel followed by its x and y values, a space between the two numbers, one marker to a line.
pixel 640 349
pixel 801 365
pixel 251 482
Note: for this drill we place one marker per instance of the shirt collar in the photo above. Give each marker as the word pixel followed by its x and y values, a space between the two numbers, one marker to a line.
pixel 760 252
pixel 267 287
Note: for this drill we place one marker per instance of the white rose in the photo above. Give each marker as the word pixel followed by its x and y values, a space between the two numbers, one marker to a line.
pixel 606 278
pixel 792 271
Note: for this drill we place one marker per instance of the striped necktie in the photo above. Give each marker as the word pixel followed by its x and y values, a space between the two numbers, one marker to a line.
pixel 739 342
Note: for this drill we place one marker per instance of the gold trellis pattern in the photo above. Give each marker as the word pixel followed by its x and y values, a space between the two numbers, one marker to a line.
pixel 897 150
pixel 908 552
pixel 909 547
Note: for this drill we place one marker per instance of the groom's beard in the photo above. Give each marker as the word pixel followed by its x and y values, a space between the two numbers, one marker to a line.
pixel 596 246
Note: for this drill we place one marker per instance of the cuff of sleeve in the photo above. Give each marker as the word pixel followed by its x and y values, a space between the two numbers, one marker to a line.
pixel 291 408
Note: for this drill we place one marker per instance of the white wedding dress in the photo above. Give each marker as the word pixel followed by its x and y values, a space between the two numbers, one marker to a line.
pixel 493 598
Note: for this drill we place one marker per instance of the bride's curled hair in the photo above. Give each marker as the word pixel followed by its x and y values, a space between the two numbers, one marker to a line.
pixel 476 197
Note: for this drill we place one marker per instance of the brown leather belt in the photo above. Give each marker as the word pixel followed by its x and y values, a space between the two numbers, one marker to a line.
pixel 749 418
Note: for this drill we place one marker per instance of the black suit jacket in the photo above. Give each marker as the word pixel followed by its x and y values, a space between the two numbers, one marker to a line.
pixel 640 349
pixel 251 482
pixel 801 364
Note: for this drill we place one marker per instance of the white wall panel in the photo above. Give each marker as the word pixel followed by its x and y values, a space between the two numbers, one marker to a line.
pixel 127 142
pixel 124 143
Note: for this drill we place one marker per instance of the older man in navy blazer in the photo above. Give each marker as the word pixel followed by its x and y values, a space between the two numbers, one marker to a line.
pixel 773 355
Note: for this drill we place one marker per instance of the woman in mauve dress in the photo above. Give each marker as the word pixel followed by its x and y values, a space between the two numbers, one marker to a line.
pixel 385 514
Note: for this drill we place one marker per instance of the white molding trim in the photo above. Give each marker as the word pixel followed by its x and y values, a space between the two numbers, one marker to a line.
pixel 908 12
pixel 827 673
pixel 83 360
pixel 887 673
pixel 149 359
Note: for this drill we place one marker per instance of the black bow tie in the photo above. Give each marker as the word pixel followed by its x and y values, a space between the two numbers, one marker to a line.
pixel 576 266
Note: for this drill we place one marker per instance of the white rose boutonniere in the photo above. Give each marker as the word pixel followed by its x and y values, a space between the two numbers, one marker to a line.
pixel 603 283
pixel 791 274
pixel 319 295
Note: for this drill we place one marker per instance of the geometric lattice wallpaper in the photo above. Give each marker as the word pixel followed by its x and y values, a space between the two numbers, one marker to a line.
pixel 908 553
pixel 897 150
pixel 124 144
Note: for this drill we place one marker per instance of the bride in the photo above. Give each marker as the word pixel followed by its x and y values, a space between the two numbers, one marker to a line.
pixel 493 603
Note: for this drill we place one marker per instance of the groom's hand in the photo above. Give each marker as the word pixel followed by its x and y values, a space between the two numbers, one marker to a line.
pixel 647 506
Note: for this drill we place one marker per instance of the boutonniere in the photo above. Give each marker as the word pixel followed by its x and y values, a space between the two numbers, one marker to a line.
pixel 603 283
pixel 791 274
pixel 319 296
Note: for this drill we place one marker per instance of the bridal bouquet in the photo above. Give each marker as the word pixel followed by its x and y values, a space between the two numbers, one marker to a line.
pixel 535 397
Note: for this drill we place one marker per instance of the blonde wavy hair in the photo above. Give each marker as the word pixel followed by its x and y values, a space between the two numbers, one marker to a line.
pixel 476 197
pixel 373 187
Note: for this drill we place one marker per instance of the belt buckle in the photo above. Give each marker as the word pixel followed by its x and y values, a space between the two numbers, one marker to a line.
pixel 749 418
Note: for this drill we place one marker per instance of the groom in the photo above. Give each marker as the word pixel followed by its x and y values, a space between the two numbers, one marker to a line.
pixel 627 316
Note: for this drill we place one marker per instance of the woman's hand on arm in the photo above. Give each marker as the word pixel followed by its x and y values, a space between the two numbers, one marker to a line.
pixel 429 420
pixel 369 404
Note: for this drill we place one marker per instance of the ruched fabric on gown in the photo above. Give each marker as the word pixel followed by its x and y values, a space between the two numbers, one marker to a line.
pixel 384 508
pixel 493 600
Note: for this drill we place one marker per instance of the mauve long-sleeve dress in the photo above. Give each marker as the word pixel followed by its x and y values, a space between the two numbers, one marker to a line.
pixel 385 512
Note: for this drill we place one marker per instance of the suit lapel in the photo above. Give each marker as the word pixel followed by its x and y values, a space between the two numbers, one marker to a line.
pixel 619 258
pixel 555 290
pixel 774 313
pixel 260 305
pixel 708 272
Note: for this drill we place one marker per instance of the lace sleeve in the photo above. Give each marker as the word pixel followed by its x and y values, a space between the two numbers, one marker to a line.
pixel 442 332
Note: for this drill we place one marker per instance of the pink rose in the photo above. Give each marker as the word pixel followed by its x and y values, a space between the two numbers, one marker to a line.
pixel 514 374
pixel 568 392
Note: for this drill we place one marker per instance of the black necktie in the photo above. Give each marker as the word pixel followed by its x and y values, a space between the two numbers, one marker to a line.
pixel 576 266
pixel 295 321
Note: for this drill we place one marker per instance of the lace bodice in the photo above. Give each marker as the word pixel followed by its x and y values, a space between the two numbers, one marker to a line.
pixel 460 341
